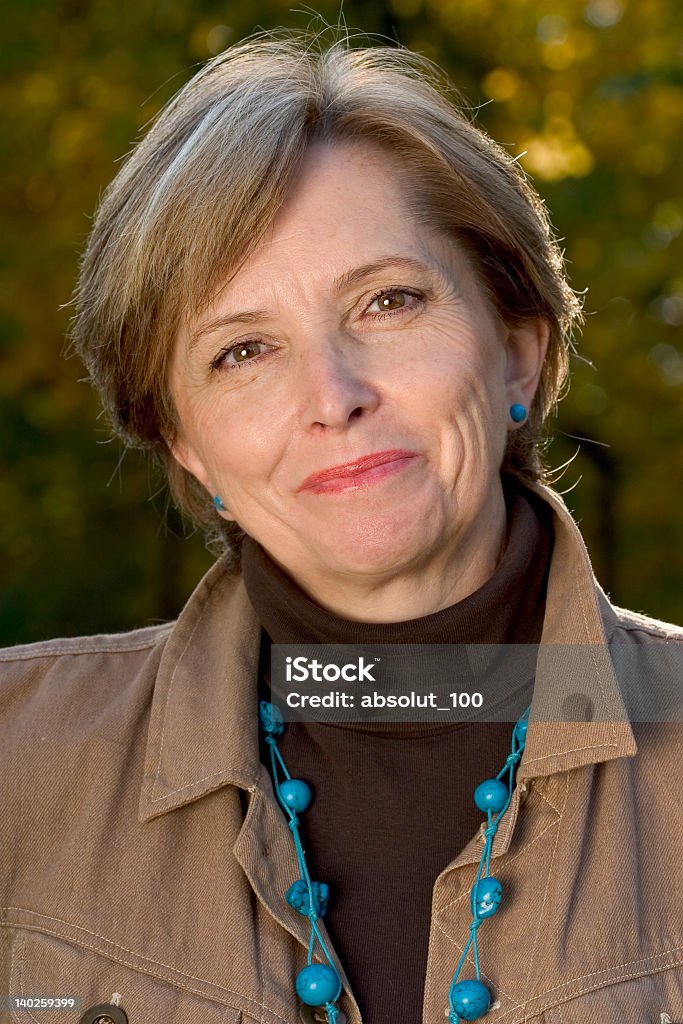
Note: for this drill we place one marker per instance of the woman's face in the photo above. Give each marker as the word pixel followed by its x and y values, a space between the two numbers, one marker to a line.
pixel 347 393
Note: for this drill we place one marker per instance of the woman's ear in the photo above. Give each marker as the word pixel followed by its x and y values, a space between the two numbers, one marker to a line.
pixel 186 457
pixel 526 345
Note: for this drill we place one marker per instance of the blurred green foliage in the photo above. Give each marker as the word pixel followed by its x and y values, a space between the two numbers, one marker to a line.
pixel 589 96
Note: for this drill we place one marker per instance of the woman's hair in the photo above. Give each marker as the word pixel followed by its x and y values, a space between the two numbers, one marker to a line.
pixel 200 190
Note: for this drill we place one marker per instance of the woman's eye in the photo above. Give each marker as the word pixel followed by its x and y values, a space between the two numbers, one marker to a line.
pixel 392 300
pixel 242 352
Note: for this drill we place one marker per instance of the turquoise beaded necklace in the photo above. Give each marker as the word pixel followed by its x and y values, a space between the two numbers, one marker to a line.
pixel 319 984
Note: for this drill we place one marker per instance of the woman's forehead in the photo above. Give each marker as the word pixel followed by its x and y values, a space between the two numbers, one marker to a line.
pixel 345 217
pixel 343 194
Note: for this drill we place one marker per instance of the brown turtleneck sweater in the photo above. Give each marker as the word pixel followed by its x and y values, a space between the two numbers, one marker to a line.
pixel 393 801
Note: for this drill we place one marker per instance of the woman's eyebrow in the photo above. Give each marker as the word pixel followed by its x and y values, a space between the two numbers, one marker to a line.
pixel 344 281
pixel 246 317
pixel 384 263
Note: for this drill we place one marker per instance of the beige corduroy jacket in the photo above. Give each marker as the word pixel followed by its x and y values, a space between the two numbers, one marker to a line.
pixel 143 852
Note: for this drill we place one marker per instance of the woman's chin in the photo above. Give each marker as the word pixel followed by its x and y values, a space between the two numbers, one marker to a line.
pixel 376 546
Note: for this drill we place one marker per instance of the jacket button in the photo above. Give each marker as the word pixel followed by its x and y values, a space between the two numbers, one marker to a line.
pixel 104 1013
pixel 317 1015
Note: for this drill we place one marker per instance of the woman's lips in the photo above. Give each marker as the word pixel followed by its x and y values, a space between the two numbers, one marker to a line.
pixel 360 473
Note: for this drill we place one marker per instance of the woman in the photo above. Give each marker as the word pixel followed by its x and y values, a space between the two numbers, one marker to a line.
pixel 334 309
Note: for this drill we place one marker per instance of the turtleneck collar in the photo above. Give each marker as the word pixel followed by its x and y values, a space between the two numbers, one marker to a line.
pixel 507 609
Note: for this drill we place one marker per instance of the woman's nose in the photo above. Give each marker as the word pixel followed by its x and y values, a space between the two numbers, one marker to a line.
pixel 334 384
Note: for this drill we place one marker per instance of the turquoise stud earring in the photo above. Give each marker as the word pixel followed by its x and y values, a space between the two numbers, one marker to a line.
pixel 218 504
pixel 517 412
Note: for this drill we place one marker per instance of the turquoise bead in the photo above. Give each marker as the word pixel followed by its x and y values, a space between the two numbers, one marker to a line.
pixel 470 999
pixel 298 898
pixel 271 719
pixel 318 984
pixel 520 731
pixel 486 897
pixel 296 794
pixel 491 795
pixel 518 412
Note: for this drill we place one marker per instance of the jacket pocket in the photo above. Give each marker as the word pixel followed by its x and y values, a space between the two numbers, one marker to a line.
pixel 42 965
pixel 651 999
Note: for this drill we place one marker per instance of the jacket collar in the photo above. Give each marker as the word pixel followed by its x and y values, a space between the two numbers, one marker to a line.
pixel 574 669
pixel 203 731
